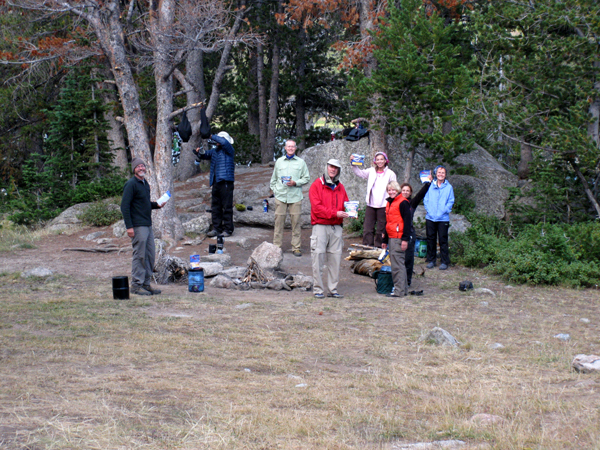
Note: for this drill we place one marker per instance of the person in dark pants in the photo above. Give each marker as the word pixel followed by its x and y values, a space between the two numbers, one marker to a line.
pixel 222 168
pixel 397 235
pixel 406 191
pixel 438 204
pixel 136 208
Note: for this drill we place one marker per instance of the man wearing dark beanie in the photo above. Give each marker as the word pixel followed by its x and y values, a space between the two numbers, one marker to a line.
pixel 137 213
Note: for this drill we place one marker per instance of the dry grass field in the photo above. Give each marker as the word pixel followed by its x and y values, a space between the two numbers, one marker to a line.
pixel 273 370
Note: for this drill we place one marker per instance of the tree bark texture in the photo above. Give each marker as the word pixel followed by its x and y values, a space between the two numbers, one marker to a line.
pixel 162 16
pixel 273 101
pixel 377 136
pixel 262 104
pixel 524 161
pixel 594 125
pixel 253 120
pixel 190 82
pixel 116 138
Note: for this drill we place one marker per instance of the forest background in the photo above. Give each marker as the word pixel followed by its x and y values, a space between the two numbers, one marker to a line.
pixel 86 84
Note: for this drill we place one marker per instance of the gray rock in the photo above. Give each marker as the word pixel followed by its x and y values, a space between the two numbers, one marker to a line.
pixel 68 220
pixel 586 363
pixel 451 444
pixel 223 259
pixel 563 336
pixel 37 272
pixel 458 223
pixel 268 256
pixel 244 306
pixel 496 346
pixel 222 282
pixel 234 272
pixel 119 229
pixel 484 420
pixel 489 184
pixel 92 236
pixel 189 203
pixel 200 224
pixel 484 291
pixel 440 337
pixel 104 241
pixel 484 304
pixel 299 281
pixel 584 320
pixel 211 268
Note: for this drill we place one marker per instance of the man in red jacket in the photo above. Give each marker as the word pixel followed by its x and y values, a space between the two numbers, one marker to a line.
pixel 327 196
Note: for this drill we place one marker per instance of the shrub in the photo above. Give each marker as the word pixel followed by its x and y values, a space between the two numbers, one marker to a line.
pixel 357 225
pixel 538 254
pixel 101 214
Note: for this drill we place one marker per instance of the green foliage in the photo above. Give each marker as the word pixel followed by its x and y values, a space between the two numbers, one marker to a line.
pixel 468 169
pixel 356 225
pixel 538 65
pixel 75 164
pixel 539 254
pixel 422 78
pixel 101 214
pixel 464 203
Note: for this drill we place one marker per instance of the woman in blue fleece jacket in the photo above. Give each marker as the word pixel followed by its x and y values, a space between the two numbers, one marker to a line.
pixel 438 204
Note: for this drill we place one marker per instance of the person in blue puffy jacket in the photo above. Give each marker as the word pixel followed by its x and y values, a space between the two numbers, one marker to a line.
pixel 438 204
pixel 222 170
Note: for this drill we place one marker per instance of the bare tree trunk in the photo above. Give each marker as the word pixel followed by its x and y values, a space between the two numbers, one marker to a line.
pixel 377 136
pixel 273 101
pixel 300 104
pixel 300 122
pixel 525 161
pixel 410 157
pixel 594 125
pixel 109 31
pixel 223 66
pixel 96 143
pixel 262 104
pixel 162 16
pixel 586 187
pixel 116 138
pixel 192 84
pixel 253 120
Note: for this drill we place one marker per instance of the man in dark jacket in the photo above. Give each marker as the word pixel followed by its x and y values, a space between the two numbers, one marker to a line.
pixel 136 208
pixel 222 168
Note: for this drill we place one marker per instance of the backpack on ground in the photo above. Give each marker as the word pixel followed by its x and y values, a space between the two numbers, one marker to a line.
pixel 383 280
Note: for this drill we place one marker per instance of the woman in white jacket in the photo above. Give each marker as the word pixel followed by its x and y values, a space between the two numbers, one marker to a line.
pixel 378 177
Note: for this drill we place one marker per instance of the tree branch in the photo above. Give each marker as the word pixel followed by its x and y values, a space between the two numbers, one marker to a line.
pixel 185 108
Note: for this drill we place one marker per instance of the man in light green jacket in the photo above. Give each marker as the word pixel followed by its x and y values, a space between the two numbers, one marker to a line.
pixel 289 175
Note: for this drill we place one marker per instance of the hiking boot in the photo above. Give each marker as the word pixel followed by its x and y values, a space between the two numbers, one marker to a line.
pixel 319 295
pixel 140 291
pixel 335 295
pixel 394 294
pixel 226 234
pixel 443 266
pixel 297 253
pixel 151 289
pixel 212 233
pixel 430 265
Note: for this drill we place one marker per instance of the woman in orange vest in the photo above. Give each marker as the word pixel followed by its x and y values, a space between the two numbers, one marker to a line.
pixel 397 236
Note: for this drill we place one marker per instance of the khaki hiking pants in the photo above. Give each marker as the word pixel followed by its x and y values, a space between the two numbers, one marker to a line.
pixel 326 245
pixel 281 211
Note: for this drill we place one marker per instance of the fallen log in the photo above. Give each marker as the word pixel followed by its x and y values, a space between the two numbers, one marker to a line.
pixel 363 254
pixel 366 267
pixel 91 250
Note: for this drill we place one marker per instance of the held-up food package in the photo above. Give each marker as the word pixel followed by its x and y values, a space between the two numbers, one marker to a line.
pixel 194 261
pixel 357 160
pixel 352 209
